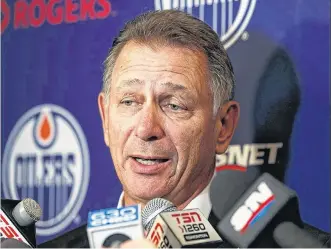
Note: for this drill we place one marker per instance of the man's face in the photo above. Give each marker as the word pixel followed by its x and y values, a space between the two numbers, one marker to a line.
pixel 159 124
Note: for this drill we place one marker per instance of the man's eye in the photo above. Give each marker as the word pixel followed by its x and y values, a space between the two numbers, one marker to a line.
pixel 127 102
pixel 174 107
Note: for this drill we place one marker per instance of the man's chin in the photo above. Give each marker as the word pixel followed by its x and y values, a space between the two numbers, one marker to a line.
pixel 149 192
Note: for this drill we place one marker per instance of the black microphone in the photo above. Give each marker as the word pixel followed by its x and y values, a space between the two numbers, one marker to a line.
pixel 288 235
pixel 252 210
pixel 12 243
pixel 169 228
pixel 76 238
pixel 18 218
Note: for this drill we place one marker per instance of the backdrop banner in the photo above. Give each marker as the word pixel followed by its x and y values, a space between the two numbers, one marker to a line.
pixel 52 141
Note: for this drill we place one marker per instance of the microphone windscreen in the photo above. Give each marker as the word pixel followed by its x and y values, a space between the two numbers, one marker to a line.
pixel 27 212
pixel 153 208
pixel 227 187
pixel 288 235
pixel 13 243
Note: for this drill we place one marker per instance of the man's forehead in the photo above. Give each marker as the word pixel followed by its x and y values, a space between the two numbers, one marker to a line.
pixel 174 65
pixel 135 82
pixel 172 56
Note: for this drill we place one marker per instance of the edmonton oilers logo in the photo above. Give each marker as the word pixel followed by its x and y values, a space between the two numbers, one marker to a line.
pixel 228 18
pixel 46 158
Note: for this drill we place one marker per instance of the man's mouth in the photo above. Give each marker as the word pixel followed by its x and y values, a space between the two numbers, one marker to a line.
pixel 150 161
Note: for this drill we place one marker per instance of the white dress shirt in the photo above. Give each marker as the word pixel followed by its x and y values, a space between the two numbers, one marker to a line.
pixel 201 202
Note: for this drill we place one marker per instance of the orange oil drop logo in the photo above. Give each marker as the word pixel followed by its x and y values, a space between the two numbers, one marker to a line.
pixel 45 129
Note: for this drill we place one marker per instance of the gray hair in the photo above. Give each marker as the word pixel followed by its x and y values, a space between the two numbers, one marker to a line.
pixel 174 27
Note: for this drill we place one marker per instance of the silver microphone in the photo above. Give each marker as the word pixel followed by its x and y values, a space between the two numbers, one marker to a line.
pixel 27 212
pixel 153 208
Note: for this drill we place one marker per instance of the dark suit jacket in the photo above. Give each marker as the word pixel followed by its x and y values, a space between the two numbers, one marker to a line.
pixel 77 238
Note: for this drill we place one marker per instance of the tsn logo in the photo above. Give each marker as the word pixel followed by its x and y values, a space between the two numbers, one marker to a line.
pixel 255 206
pixel 7 230
pixel 158 238
pixel 189 222
pixel 187 217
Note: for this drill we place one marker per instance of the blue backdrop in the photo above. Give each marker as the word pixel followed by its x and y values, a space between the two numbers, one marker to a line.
pixel 52 144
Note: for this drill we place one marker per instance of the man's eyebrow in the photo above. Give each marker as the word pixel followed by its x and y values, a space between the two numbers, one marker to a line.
pixel 129 83
pixel 174 87
pixel 136 82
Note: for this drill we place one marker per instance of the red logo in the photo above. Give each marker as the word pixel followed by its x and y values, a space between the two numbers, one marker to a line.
pixel 35 13
pixel 5 15
pixel 189 217
pixel 7 230
pixel 230 167
pixel 155 236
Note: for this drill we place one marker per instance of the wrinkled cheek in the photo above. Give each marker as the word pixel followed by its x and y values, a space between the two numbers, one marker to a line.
pixel 114 139
pixel 190 140
pixel 120 140
pixel 196 145
pixel 185 145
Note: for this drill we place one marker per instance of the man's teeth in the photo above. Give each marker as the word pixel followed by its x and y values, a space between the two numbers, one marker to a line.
pixel 149 161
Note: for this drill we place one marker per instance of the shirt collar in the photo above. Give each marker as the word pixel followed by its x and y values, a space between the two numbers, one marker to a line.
pixel 201 202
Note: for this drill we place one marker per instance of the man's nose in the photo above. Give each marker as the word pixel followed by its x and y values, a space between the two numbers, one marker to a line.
pixel 149 126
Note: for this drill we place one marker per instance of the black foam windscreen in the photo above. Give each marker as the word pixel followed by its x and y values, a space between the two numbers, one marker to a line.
pixel 12 243
pixel 227 186
pixel 76 238
pixel 299 238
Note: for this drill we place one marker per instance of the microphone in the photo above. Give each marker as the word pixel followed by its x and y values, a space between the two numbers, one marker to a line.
pixel 18 218
pixel 288 235
pixel 76 238
pixel 170 228
pixel 108 228
pixel 153 208
pixel 12 243
pixel 226 188
pixel 249 218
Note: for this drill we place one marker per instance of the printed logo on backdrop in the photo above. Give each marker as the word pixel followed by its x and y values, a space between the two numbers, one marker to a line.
pixel 46 158
pixel 228 18
pixel 239 157
pixel 22 14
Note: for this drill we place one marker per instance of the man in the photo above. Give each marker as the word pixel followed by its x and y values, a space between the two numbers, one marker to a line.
pixel 167 108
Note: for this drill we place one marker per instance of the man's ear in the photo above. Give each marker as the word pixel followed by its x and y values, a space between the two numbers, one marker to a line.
pixel 103 110
pixel 227 120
